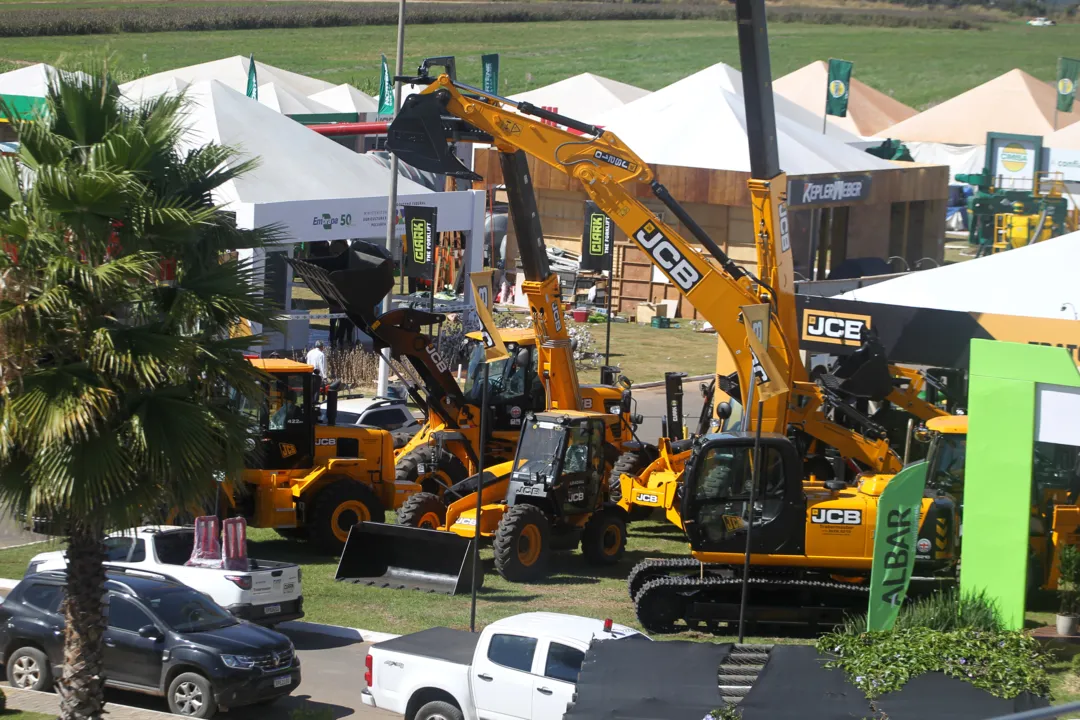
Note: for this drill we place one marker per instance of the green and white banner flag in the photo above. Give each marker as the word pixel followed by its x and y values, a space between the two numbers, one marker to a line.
pixel 895 543
pixel 839 87
pixel 386 91
pixel 1067 77
pixel 253 81
pixel 490 63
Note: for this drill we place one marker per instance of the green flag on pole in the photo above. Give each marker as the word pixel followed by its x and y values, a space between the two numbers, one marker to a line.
pixel 253 82
pixel 895 543
pixel 838 89
pixel 1068 72
pixel 386 91
pixel 490 63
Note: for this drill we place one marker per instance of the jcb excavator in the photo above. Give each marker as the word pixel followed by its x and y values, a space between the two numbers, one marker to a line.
pixel 595 419
pixel 824 535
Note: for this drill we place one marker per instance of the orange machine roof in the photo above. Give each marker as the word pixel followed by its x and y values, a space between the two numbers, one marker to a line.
pixel 277 365
pixel 949 424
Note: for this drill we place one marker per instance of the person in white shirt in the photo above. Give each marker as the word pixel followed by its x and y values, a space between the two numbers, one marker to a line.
pixel 317 359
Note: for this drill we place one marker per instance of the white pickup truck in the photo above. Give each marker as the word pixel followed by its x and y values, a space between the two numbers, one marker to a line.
pixel 266 593
pixel 523 667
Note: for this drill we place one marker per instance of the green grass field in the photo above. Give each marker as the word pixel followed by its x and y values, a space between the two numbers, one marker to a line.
pixel 917 66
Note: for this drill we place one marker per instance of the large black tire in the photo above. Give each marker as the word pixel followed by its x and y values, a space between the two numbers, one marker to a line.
pixel 28 668
pixel 523 544
pixel 422 510
pixel 338 507
pixel 191 695
pixel 631 462
pixel 438 710
pixel 442 469
pixel 603 541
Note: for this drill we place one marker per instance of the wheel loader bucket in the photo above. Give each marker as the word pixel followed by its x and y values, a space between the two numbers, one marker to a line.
pixel 418 137
pixel 399 557
pixel 356 280
pixel 864 373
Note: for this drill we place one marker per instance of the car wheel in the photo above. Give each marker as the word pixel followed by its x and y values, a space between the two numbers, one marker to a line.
pixel 190 695
pixel 28 668
pixel 438 710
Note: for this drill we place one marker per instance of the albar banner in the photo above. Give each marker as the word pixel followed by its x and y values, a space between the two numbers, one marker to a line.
pixel 597 239
pixel 420 229
pixel 896 539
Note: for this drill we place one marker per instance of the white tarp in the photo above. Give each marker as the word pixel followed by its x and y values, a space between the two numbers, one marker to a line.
pixel 1036 281
pixel 582 97
pixel 29 81
pixel 959 158
pixel 230 71
pixel 346 99
pixel 295 163
pixel 700 121
pixel 287 102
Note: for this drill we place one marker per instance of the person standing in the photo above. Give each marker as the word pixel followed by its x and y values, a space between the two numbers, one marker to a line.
pixel 316 358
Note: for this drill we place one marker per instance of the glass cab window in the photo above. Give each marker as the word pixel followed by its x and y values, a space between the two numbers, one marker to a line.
pixel 287 401
pixel 721 495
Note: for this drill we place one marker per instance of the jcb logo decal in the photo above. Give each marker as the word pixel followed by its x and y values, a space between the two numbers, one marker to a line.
pixel 785 234
pixel 326 441
pixel 646 498
pixel 732 522
pixel 834 327
pixel 667 256
pixel 286 449
pixel 436 358
pixel 832 516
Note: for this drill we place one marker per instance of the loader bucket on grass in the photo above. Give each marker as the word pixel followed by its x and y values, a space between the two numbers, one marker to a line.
pixel 400 557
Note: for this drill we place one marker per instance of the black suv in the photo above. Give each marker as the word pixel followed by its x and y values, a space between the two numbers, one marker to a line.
pixel 163 639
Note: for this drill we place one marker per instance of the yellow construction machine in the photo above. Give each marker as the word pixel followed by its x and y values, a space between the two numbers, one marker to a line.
pixel 825 534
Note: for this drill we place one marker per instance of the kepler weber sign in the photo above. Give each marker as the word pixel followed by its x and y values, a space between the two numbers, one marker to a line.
pixel 828 191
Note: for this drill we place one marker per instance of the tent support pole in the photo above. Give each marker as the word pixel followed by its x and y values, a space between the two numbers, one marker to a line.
pixel 391 205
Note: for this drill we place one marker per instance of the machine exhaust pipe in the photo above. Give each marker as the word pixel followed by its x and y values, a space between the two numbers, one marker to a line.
pixel 407 558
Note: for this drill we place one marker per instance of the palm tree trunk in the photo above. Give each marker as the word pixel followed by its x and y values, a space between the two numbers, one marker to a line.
pixel 82 683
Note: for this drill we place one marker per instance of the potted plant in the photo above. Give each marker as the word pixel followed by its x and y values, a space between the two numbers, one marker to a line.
pixel 1068 590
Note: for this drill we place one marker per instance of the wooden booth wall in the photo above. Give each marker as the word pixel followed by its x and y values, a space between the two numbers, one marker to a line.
pixel 904 215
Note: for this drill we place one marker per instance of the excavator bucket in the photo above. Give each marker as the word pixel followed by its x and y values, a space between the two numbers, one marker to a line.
pixel 400 557
pixel 864 373
pixel 418 137
pixel 356 280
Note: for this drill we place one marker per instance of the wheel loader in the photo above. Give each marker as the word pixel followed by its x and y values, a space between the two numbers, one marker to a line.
pixel 552 496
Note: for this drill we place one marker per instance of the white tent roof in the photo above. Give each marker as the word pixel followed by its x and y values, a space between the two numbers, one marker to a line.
pixel 1032 281
pixel 294 162
pixel 1067 138
pixel 29 81
pixel 1011 103
pixel 700 121
pixel 869 110
pixel 582 97
pixel 285 101
pixel 232 72
pixel 346 99
pixel 148 89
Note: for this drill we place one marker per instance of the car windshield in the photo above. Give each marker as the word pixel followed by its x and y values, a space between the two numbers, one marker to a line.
pixel 539 447
pixel 187 611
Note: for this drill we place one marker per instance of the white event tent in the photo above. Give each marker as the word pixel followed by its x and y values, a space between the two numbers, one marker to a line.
pixel 582 97
pixel 988 284
pixel 24 89
pixel 700 122
pixel 309 186
pixel 346 99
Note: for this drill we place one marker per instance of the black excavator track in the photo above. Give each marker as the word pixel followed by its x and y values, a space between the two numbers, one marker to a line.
pixel 664 600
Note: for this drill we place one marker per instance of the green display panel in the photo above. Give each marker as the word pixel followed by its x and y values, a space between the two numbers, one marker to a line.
pixel 1005 383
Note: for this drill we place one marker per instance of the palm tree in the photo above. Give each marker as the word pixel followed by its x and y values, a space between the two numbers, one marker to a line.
pixel 116 305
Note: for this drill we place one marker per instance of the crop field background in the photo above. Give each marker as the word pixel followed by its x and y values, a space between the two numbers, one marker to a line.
pixel 918 66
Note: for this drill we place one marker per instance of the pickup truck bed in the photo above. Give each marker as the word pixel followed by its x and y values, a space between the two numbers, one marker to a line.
pixel 439 643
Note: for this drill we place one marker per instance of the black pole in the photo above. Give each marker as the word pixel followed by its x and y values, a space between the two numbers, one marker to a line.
pixel 479 498
pixel 610 286
pixel 750 515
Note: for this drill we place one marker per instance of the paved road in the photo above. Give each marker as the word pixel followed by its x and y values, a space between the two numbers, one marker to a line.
pixel 650 404
pixel 13 533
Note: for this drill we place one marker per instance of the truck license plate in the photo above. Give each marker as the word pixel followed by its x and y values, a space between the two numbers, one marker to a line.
pixel 271 610
pixel 283 681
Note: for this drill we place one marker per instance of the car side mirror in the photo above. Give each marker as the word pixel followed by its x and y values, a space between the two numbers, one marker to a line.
pixel 626 402
pixel 150 632
pixel 921 434
pixel 723 411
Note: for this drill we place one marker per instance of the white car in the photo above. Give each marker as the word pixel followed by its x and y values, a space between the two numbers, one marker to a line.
pixel 1041 22
pixel 266 593
pixel 525 666
pixel 386 413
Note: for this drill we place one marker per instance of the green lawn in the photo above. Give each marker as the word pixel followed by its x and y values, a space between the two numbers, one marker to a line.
pixel 917 66
pixel 23 715
pixel 645 353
